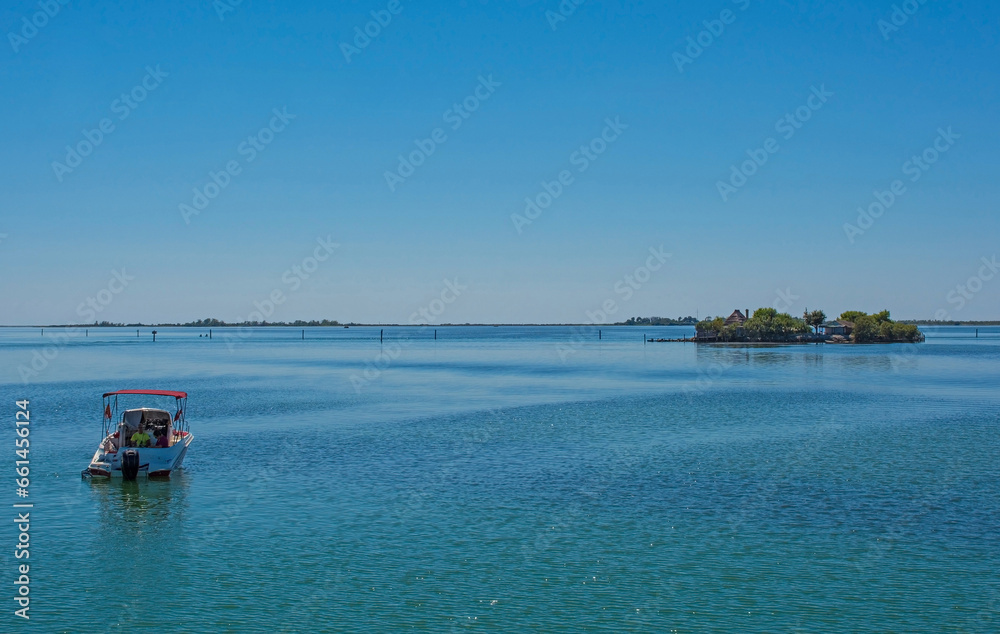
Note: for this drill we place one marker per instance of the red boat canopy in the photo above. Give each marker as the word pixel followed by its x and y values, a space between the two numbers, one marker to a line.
pixel 149 393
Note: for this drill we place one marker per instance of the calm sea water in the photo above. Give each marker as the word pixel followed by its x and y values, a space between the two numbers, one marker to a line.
pixel 514 479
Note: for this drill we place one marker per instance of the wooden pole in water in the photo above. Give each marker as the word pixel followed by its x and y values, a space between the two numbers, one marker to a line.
pixel 136 333
pixel 435 334
pixel 643 338
pixel 209 333
pixel 86 333
pixel 154 336
pixel 381 334
pixel 598 335
pixel 303 335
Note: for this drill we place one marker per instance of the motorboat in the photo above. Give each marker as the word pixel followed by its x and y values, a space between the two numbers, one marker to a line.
pixel 142 441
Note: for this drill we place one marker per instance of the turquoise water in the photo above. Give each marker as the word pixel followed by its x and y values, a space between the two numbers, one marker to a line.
pixel 515 479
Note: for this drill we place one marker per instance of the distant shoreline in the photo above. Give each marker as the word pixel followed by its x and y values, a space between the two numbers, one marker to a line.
pixel 949 323
pixel 341 326
pixel 356 325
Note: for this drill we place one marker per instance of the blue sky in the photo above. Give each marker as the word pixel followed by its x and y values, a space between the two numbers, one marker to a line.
pixel 214 80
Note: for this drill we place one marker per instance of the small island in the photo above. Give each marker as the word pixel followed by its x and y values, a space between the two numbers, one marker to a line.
pixel 767 325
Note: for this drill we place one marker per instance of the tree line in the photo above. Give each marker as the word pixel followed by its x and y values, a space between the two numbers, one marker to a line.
pixel 659 321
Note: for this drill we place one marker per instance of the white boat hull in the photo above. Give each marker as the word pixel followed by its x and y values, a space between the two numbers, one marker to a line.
pixel 153 461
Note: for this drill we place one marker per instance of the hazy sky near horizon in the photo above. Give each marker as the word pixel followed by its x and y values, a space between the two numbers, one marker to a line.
pixel 739 137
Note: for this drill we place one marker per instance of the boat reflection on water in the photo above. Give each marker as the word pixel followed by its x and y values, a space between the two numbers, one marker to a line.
pixel 138 518
pixel 139 536
pixel 140 506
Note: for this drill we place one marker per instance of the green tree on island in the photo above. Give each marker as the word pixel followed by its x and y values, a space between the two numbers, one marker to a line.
pixel 880 328
pixel 851 315
pixel 814 318
pixel 767 324
pixel 715 325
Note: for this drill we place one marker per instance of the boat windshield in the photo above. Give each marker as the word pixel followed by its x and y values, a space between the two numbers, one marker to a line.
pixel 155 422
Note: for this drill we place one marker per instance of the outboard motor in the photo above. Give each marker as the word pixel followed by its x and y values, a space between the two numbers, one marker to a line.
pixel 130 464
